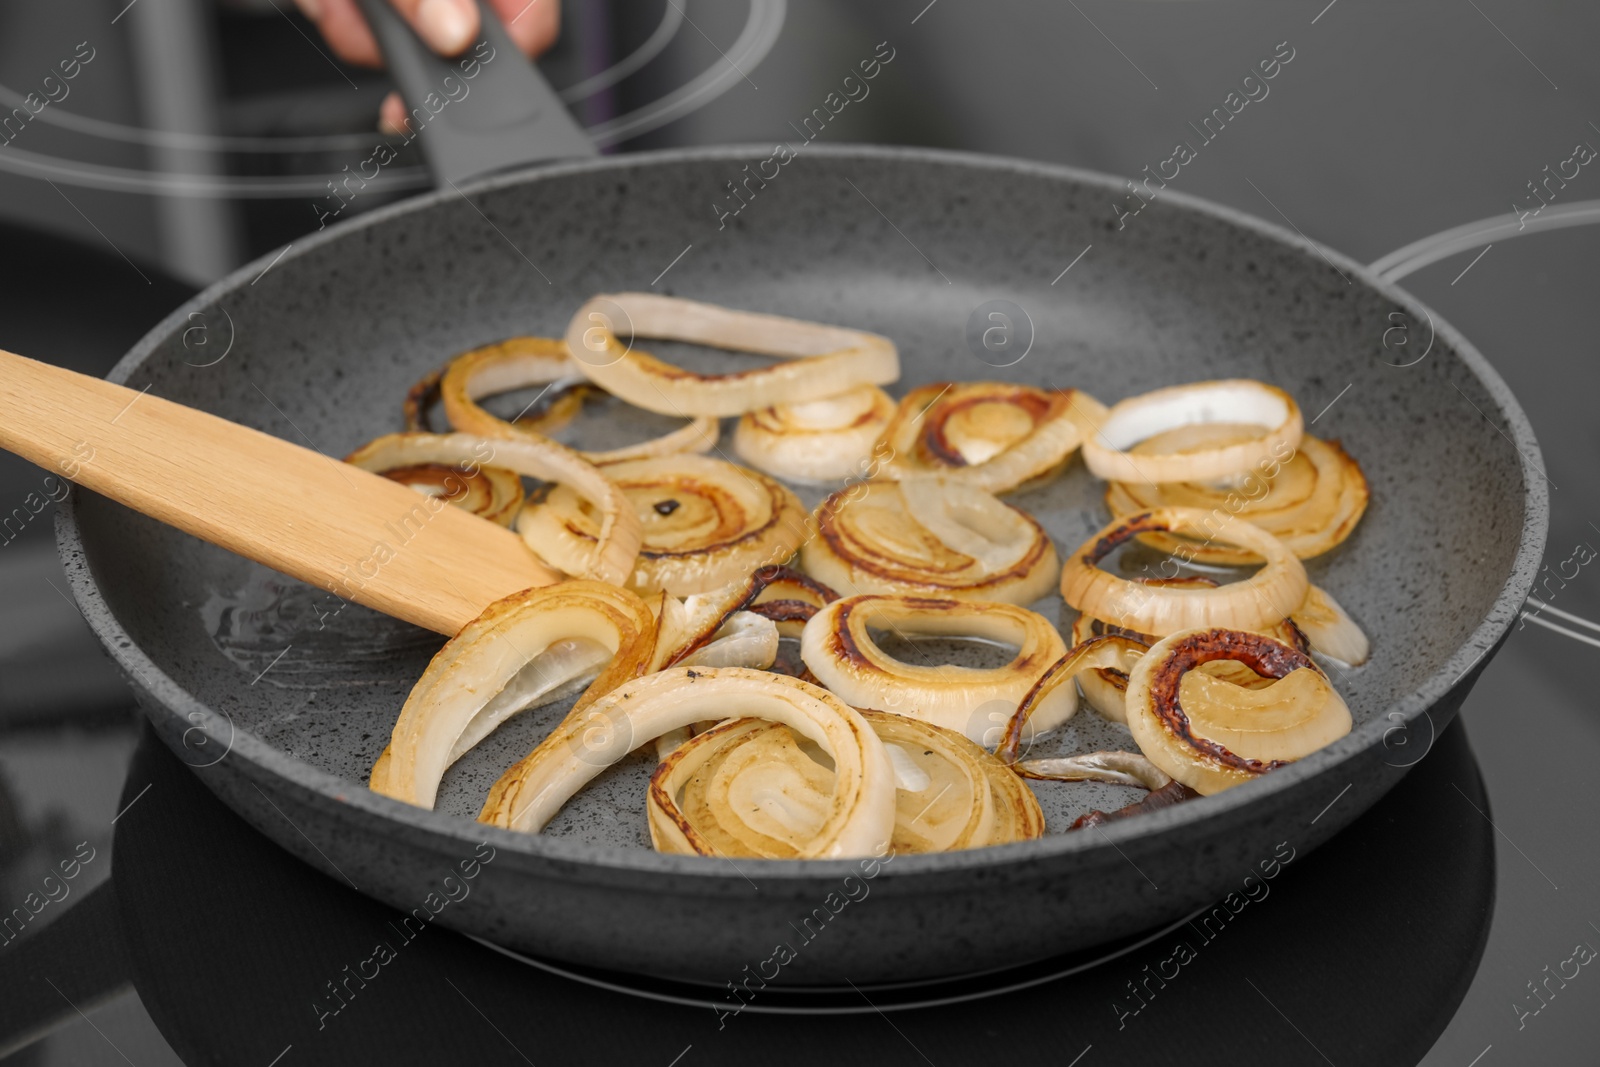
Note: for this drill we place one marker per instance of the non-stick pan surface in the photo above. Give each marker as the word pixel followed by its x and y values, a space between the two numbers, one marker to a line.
pixel 282 696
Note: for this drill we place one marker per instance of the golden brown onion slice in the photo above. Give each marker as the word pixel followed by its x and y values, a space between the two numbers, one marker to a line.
pixel 1094 654
pixel 1260 600
pixel 820 361
pixel 527 361
pixel 1210 734
pixel 706 523
pixel 992 435
pixel 929 537
pixel 838 647
pixel 1279 425
pixel 1311 501
pixel 859 820
pixel 521 652
pixel 747 788
pixel 492 493
pixel 815 441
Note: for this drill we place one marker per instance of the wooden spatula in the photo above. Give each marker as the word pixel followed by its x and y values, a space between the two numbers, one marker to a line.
pixel 308 515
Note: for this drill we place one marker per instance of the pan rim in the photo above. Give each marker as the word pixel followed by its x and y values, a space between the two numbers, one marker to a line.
pixel 266 763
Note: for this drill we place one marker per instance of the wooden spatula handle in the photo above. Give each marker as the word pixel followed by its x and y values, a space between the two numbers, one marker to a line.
pixel 356 534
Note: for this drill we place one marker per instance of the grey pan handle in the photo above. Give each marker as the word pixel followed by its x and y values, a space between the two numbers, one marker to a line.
pixel 504 116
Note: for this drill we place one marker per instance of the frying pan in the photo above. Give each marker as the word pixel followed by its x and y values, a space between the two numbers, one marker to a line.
pixel 280 696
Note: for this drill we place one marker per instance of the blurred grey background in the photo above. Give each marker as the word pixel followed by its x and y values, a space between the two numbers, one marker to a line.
pixel 1391 122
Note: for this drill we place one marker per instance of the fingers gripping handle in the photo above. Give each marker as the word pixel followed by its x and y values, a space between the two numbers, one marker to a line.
pixel 486 110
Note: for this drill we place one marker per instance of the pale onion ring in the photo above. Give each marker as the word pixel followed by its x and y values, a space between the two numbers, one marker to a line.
pixel 525 361
pixel 1329 629
pixel 1260 600
pixel 861 814
pixel 869 539
pixel 554 410
pixel 1311 501
pixel 608 554
pixel 1211 735
pixel 992 435
pixel 748 790
pixel 1113 768
pixel 1234 400
pixel 1104 688
pixel 705 523
pixel 1095 653
pixel 838 648
pixel 475 682
pixel 822 361
pixel 815 441
pixel 492 493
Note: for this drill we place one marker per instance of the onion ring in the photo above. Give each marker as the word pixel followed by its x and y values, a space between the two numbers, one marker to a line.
pixel 860 820
pixel 840 651
pixel 824 361
pixel 492 493
pixel 1261 600
pixel 608 554
pixel 1311 501
pixel 1095 653
pixel 815 441
pixel 1211 735
pixel 705 522
pixel 748 789
pixel 525 361
pixel 1234 400
pixel 1329 629
pixel 500 664
pixel 992 435
pixel 1104 687
pixel 927 537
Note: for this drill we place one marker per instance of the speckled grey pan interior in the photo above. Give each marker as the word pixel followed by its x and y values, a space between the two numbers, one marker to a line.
pixel 326 342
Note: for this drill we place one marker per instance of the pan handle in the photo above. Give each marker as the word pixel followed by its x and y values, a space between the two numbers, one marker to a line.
pixel 486 110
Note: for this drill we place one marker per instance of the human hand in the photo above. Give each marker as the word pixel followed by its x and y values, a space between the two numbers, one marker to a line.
pixel 447 26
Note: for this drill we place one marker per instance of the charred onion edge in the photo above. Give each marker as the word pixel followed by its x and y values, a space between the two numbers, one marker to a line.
pixel 395 455
pixel 1268 658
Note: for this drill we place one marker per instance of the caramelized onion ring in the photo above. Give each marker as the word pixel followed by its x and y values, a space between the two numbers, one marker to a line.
pixel 869 539
pixel 1104 688
pixel 840 651
pixel 815 441
pixel 1311 501
pixel 1194 726
pixel 525 361
pixel 552 412
pixel 492 493
pixel 747 789
pixel 823 361
pixel 1264 598
pixel 1236 400
pixel 705 522
pixel 860 819
pixel 992 435
pixel 609 553
pixel 498 665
